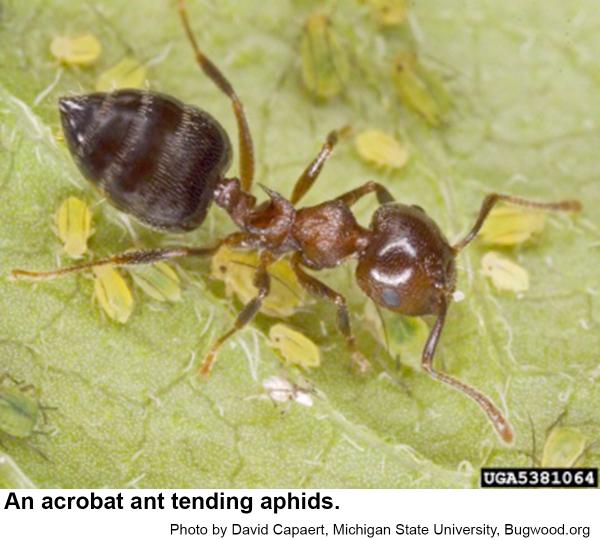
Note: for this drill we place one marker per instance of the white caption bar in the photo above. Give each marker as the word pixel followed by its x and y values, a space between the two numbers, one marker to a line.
pixel 241 514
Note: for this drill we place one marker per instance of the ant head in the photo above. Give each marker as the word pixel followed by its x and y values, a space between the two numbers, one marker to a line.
pixel 408 266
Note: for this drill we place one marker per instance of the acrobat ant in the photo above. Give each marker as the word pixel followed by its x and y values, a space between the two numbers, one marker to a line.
pixel 164 162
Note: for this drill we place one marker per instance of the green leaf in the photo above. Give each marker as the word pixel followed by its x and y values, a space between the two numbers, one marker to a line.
pixel 129 410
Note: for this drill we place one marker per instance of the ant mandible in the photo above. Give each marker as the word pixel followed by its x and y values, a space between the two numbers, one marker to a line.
pixel 164 162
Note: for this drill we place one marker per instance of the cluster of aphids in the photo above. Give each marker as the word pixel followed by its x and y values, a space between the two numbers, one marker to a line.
pixel 326 60
pixel 164 163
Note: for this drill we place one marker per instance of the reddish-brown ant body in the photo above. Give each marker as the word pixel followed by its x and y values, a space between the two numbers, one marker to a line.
pixel 164 163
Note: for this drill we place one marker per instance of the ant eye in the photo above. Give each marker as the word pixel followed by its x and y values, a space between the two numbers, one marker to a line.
pixel 391 298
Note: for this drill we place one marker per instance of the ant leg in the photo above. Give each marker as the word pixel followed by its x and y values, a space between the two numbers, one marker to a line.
pixel 319 289
pixel 351 197
pixel 37 450
pixel 129 258
pixel 500 423
pixel 311 173
pixel 215 75
pixel 490 201
pixel 262 281
pixel 43 410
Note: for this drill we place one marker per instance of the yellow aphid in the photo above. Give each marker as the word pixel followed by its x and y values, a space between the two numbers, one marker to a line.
pixel 237 270
pixel 158 281
pixel 296 348
pixel 128 73
pixel 388 12
pixel 420 90
pixel 505 274
pixel 564 447
pixel 381 149
pixel 325 66
pixel 74 225
pixel 507 226
pixel 76 51
pixel 403 337
pixel 113 293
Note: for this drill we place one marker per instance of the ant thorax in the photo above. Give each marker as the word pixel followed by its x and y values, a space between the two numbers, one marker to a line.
pixel 328 234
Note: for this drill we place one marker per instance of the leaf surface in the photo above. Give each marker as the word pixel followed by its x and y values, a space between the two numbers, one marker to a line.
pixel 524 88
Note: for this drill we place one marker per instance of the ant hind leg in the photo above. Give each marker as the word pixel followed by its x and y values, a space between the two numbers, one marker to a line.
pixel 262 282
pixel 130 258
pixel 127 258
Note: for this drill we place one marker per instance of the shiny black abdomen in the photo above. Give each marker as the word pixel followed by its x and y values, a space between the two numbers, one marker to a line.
pixel 154 157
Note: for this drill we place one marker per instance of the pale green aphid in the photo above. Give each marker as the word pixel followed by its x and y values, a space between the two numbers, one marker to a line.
pixel 80 50
pixel 564 447
pixel 325 65
pixel 381 149
pixel 113 293
pixel 74 226
pixel 19 413
pixel 159 281
pixel 508 225
pixel 295 347
pixel 505 274
pixel 420 90
pixel 128 73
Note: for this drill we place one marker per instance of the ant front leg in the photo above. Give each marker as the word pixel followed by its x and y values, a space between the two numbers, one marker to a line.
pixel 351 197
pixel 498 420
pixel 319 289
pixel 491 200
pixel 262 281
pixel 129 258
pixel 215 75
pixel 311 173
